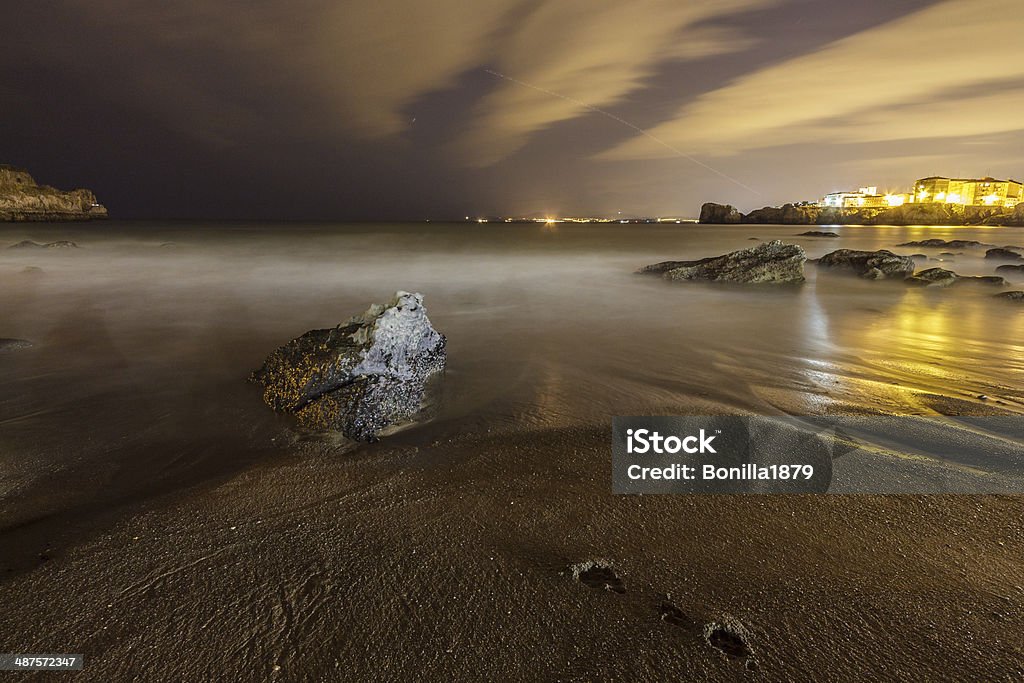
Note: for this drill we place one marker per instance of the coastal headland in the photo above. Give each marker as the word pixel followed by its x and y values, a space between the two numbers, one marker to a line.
pixel 23 199
pixel 907 214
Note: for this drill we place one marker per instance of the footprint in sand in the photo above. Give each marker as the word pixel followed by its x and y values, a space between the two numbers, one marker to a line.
pixel 598 574
pixel 726 635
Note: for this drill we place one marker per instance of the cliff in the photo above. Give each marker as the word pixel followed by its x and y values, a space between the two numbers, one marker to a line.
pixel 908 214
pixel 22 199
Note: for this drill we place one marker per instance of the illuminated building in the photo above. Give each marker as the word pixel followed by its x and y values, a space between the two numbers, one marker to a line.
pixel 968 191
pixel 865 197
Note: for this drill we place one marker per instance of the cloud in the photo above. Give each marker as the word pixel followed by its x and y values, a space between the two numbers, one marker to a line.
pixel 571 55
pixel 227 71
pixel 903 80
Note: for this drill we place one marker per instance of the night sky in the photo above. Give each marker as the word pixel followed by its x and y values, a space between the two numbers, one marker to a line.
pixel 403 109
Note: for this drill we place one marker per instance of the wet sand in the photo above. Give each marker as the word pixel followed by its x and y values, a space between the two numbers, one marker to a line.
pixel 157 518
pixel 449 561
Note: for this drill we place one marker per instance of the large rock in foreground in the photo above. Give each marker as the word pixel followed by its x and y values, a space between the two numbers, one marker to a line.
pixel 360 377
pixel 771 262
pixel 874 265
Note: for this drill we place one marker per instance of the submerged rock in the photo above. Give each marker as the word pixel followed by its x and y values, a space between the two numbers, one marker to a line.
pixel 1004 253
pixel 933 277
pixel 1011 269
pixel 719 213
pixel 14 344
pixel 940 277
pixel 360 377
pixel 29 244
pixel 818 233
pixel 770 262
pixel 1011 296
pixel 873 265
pixel 950 244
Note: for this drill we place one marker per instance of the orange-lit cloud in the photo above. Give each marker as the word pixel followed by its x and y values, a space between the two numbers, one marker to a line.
pixel 952 70
pixel 591 53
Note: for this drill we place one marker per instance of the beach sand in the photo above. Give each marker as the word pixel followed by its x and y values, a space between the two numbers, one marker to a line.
pixel 451 561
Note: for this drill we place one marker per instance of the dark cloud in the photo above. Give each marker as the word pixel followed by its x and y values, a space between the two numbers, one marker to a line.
pixel 389 109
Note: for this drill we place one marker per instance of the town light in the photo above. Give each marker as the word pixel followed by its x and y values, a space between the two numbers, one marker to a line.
pixel 894 199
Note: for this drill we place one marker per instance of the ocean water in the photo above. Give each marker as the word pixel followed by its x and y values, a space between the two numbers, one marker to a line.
pixel 145 335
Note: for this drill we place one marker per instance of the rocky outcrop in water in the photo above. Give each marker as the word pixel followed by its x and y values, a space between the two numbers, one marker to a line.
pixel 1007 253
pixel 873 265
pixel 772 262
pixel 940 277
pixel 1011 296
pixel 818 233
pixel 22 199
pixel 29 244
pixel 1011 269
pixel 360 377
pixel 787 214
pixel 945 244
pixel 719 213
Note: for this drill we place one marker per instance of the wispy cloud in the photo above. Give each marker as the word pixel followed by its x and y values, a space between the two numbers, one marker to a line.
pixel 942 72
pixel 592 53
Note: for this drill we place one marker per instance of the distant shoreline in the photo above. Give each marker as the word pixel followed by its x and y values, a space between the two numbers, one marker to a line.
pixel 908 214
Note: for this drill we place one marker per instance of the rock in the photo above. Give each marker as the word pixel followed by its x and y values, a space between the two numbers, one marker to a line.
pixel 787 214
pixel 939 277
pixel 923 257
pixel 951 244
pixel 933 277
pixel 874 265
pixel 663 267
pixel 770 262
pixel 1005 253
pixel 29 244
pixel 360 377
pixel 719 213
pixel 753 239
pixel 32 270
pixel 818 233
pixel 949 253
pixel 14 344
pixel 1011 269
pixel 1011 296
pixel 993 280
pixel 22 199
